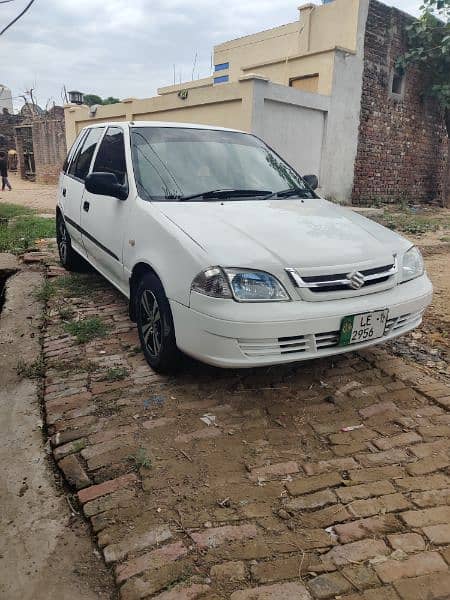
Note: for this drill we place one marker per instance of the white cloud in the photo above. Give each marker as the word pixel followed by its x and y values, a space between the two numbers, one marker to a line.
pixel 127 48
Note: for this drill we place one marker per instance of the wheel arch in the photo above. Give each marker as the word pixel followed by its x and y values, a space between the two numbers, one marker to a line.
pixel 138 271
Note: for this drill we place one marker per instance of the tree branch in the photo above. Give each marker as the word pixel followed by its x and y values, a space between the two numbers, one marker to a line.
pixel 16 18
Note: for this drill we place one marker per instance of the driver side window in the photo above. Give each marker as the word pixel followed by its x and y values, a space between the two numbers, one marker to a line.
pixel 111 155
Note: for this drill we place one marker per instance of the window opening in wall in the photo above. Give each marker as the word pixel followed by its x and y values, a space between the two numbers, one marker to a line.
pixel 397 82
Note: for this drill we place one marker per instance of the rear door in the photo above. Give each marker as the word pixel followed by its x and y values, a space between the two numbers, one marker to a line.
pixel 73 185
pixel 103 218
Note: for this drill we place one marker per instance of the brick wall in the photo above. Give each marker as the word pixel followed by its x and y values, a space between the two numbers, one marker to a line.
pixel 49 145
pixel 7 124
pixel 402 144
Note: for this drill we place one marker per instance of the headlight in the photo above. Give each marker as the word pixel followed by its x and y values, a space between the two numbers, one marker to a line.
pixel 243 285
pixel 412 265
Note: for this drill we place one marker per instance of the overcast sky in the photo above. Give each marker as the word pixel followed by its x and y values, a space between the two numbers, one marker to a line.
pixel 126 47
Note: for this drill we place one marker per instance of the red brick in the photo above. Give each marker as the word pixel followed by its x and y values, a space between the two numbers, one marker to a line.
pixel 367 490
pixel 110 434
pixel 228 571
pixel 276 470
pixel 431 498
pixel 161 422
pixel 326 517
pixel 357 530
pixel 329 585
pixel 96 450
pixel 430 448
pixel 376 474
pixel 427 587
pixel 428 465
pixel 408 542
pixel 403 439
pixel 278 591
pixel 312 484
pixel 378 409
pixel 427 516
pixel 112 485
pixel 121 498
pixel 356 552
pixel 438 534
pixel 136 542
pixel 396 455
pixel 184 592
pixel 435 431
pixel 334 464
pixel 154 559
pixel 74 472
pixel 70 448
pixel 213 537
pixel 425 483
pixel 316 500
pixel 418 564
pixel 374 506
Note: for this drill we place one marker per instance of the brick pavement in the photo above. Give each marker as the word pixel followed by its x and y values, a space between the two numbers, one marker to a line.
pixel 275 501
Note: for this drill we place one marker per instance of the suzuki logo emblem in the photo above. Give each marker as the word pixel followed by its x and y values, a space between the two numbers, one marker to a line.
pixel 355 280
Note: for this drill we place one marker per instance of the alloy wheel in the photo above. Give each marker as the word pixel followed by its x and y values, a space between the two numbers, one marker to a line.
pixel 151 324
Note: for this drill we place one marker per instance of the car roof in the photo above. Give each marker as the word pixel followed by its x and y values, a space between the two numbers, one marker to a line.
pixel 162 124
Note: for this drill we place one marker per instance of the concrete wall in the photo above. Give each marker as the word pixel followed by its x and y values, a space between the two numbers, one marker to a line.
pixel 293 123
pixel 225 106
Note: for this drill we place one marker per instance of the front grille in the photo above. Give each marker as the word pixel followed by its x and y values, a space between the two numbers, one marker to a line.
pixel 316 343
pixel 342 281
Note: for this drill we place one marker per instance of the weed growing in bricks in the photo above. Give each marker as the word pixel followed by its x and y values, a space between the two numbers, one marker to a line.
pixel 141 459
pixel 65 313
pixel 78 284
pixel 33 370
pixel 115 374
pixel 86 330
pixel 45 291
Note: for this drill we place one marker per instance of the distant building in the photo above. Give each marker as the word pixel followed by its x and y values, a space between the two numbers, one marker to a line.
pixel 5 99
pixel 325 93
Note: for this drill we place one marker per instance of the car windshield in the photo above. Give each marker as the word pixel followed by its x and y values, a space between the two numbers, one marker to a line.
pixel 175 164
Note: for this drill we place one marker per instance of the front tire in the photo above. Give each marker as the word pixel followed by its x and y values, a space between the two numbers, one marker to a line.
pixel 68 258
pixel 155 325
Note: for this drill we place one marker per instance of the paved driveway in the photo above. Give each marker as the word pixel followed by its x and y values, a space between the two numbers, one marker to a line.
pixel 326 479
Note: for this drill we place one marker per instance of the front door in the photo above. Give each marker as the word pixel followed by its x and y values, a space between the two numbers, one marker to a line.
pixel 103 218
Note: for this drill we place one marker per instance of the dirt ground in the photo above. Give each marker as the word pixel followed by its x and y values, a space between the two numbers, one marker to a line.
pixel 45 551
pixel 27 193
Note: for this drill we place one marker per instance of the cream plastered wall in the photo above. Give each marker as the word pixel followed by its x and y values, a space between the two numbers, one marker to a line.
pixel 305 46
pixel 225 106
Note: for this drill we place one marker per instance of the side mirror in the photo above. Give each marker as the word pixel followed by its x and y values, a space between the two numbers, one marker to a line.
pixel 106 184
pixel 312 181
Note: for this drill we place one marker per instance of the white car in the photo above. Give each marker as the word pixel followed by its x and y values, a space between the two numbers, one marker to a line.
pixel 226 253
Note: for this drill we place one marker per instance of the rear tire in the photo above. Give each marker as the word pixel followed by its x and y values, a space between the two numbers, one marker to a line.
pixel 155 325
pixel 68 258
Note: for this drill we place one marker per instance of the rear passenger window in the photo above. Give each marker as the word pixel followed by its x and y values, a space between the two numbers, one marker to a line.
pixel 111 155
pixel 79 167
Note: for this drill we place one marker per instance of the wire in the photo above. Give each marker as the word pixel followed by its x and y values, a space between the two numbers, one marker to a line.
pixel 16 18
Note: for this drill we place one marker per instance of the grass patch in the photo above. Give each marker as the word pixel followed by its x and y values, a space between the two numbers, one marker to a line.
pixel 45 291
pixel 32 370
pixel 86 330
pixel 78 284
pixel 20 227
pixel 411 223
pixel 141 459
pixel 8 210
pixel 65 313
pixel 116 374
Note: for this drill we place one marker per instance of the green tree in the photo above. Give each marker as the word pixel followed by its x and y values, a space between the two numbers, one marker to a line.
pixel 111 100
pixel 429 48
pixel 91 99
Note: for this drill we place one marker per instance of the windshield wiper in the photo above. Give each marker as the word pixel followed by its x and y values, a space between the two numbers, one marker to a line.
pixel 301 193
pixel 225 193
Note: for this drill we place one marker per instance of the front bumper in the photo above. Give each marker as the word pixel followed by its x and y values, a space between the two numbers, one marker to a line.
pixel 230 334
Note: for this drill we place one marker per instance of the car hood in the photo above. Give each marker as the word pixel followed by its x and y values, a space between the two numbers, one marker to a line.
pixel 309 234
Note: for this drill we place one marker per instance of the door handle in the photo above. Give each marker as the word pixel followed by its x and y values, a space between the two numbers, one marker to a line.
pixel 86 206
pixel 64 192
